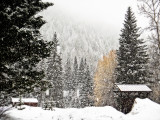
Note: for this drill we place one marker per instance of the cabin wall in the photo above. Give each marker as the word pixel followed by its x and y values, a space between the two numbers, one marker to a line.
pixel 25 103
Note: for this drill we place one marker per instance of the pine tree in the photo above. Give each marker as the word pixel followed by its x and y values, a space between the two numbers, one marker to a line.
pixel 74 83
pixel 85 84
pixel 81 84
pixel 21 45
pixel 132 57
pixel 68 76
pixel 81 73
pixel 52 68
pixel 54 74
pixel 75 74
pixel 68 83
pixel 87 88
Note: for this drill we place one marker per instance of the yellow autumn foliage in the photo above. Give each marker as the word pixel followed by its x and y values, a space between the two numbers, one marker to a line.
pixel 104 79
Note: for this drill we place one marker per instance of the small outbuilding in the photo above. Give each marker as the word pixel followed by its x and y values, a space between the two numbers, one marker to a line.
pixel 25 101
pixel 126 94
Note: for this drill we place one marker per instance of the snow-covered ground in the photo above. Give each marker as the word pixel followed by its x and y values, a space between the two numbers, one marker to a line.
pixel 142 110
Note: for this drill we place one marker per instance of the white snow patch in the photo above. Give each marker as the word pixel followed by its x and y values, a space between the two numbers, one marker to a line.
pixel 88 113
pixel 143 109
pixel 47 92
pixel 65 93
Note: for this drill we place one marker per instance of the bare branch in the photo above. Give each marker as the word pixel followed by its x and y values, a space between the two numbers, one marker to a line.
pixel 151 9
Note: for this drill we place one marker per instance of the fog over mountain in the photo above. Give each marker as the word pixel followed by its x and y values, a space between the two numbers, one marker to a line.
pixel 76 37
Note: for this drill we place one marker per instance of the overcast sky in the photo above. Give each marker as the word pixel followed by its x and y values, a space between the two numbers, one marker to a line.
pixel 106 13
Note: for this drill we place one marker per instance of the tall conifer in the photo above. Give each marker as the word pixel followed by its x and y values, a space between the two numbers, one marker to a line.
pixel 68 84
pixel 132 57
pixel 54 73
pixel 75 74
pixel 22 46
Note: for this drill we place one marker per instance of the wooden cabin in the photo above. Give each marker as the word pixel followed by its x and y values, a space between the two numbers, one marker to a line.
pixel 126 94
pixel 25 101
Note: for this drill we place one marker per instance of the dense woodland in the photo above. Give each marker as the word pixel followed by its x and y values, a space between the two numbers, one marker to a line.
pixel 30 65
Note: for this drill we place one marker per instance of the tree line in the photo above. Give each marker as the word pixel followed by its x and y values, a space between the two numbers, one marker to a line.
pixel 78 83
pixel 70 85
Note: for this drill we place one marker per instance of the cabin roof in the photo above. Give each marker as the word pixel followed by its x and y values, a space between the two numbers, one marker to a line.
pixel 134 87
pixel 25 100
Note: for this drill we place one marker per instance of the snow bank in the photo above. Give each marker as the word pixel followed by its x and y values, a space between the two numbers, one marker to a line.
pixel 143 109
pixel 89 113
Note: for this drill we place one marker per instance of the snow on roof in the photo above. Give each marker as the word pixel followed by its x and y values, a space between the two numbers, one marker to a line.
pixel 133 87
pixel 47 92
pixel 27 100
pixel 65 93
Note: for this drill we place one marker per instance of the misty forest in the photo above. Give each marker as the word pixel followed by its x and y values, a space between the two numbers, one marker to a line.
pixel 66 63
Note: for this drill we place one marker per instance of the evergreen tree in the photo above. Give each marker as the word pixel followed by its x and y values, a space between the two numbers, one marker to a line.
pixel 85 84
pixel 80 85
pixel 68 76
pixel 54 73
pixel 73 86
pixel 86 92
pixel 132 57
pixel 75 74
pixel 68 83
pixel 132 61
pixel 81 74
pixel 21 45
pixel 80 88
pixel 89 87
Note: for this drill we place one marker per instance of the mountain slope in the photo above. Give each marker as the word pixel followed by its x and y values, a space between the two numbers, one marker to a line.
pixel 76 37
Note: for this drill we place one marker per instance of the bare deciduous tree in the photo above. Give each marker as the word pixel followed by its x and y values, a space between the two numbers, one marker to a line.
pixel 151 10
